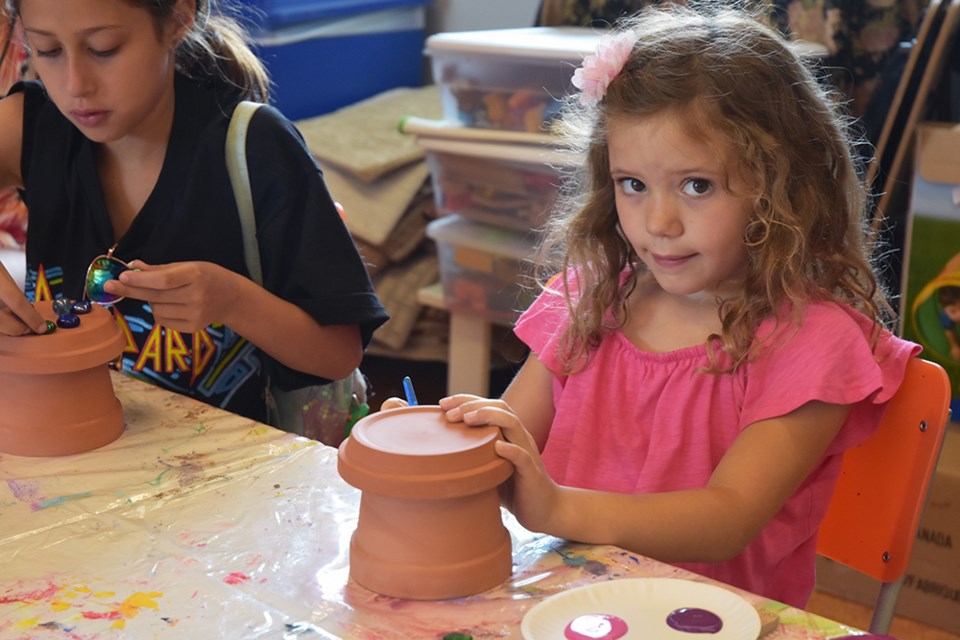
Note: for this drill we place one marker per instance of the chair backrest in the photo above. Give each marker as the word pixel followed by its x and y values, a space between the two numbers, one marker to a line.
pixel 875 511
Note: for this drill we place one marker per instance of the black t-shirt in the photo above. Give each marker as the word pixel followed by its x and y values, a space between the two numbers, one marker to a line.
pixel 307 254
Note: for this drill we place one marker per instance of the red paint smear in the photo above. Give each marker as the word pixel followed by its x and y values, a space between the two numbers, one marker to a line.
pixel 46 594
pixel 237 577
pixel 107 615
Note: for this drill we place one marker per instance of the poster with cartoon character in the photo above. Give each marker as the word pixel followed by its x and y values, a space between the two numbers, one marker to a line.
pixel 930 301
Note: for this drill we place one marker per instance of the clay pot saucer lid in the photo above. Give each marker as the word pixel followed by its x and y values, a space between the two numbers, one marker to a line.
pixel 416 452
pixel 97 341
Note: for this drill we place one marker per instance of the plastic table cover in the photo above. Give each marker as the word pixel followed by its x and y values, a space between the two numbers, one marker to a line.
pixel 197 523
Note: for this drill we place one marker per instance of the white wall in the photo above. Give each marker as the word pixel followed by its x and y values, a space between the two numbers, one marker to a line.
pixel 15 262
pixel 470 15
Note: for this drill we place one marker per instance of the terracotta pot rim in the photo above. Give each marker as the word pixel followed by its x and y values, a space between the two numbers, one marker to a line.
pixel 381 455
pixel 97 341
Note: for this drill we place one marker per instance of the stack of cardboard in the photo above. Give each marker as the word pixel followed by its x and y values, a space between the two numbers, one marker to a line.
pixel 381 178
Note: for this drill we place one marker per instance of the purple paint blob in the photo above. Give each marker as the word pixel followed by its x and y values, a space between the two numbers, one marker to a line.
pixel 691 620
pixel 595 626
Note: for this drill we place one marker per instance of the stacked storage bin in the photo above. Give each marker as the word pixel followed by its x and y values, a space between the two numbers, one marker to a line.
pixel 326 54
pixel 492 159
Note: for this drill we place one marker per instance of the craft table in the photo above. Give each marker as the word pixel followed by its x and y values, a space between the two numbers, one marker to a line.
pixel 198 523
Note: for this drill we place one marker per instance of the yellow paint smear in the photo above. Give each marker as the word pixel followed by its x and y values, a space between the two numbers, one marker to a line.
pixel 59 605
pixel 139 600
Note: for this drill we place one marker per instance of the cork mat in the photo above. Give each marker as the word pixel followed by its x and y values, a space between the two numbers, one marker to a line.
pixel 364 139
pixel 373 209
pixel 370 166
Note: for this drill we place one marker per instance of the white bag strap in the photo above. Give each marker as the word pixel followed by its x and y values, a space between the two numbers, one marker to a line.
pixel 236 154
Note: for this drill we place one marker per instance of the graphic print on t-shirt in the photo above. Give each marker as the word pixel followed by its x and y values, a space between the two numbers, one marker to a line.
pixel 40 282
pixel 210 364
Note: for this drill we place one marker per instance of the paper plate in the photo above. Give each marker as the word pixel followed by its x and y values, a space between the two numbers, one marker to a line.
pixel 644 604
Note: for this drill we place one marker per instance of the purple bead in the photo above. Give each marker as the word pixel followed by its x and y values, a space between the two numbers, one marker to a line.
pixel 68 321
pixel 62 306
pixel 81 307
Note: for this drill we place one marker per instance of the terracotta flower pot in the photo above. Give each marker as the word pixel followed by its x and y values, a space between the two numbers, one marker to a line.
pixel 429 525
pixel 55 389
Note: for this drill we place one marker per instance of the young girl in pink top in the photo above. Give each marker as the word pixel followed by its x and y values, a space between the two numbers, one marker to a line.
pixel 715 341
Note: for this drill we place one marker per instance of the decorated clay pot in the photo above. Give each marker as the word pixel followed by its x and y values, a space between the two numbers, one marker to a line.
pixel 55 389
pixel 429 526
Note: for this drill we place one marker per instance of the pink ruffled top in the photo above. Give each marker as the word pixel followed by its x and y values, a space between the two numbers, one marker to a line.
pixel 635 421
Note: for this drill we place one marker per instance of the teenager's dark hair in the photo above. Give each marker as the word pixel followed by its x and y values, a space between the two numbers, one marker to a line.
pixel 217 48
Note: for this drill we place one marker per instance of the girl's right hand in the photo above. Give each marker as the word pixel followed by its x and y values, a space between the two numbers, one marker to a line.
pixel 17 315
pixel 533 497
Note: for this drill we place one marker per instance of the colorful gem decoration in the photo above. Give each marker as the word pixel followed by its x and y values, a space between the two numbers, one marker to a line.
pixel 68 321
pixel 81 307
pixel 62 306
pixel 102 270
pixel 68 313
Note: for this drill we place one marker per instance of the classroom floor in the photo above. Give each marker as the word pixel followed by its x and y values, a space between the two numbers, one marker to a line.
pixel 858 615
pixel 429 378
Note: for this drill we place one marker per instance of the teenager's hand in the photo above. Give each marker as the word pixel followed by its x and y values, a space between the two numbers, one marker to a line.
pixel 535 496
pixel 17 315
pixel 185 296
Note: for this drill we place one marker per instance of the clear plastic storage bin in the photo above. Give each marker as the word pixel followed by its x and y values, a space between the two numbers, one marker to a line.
pixel 483 267
pixel 507 78
pixel 513 185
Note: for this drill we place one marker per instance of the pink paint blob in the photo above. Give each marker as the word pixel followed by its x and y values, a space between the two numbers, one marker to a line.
pixel 595 626
pixel 101 615
pixel 692 620
pixel 237 577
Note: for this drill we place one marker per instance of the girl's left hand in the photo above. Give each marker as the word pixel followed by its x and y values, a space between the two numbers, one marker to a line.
pixel 185 296
pixel 536 497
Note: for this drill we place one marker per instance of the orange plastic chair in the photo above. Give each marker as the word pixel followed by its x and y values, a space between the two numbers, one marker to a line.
pixel 875 510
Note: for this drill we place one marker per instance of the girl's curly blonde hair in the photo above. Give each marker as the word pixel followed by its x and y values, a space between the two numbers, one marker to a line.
pixel 738 83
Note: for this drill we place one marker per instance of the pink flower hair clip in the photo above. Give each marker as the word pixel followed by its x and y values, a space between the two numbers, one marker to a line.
pixel 599 69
